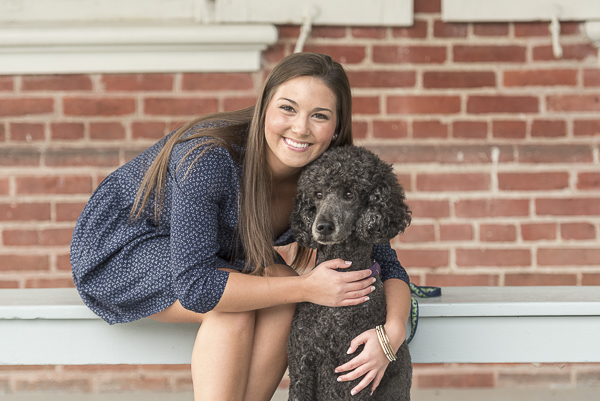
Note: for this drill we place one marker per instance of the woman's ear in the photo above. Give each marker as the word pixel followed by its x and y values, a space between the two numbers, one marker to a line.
pixel 386 216
pixel 302 219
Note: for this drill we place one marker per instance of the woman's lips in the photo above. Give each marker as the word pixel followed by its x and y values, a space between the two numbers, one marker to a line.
pixel 296 145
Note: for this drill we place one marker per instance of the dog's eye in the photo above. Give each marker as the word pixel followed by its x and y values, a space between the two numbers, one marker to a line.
pixel 348 195
pixel 319 195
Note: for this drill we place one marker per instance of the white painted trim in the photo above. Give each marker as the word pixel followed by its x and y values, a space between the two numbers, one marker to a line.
pixel 592 29
pixel 519 10
pixel 111 49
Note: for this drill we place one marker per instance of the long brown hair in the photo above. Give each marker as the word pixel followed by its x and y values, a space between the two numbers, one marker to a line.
pixel 246 128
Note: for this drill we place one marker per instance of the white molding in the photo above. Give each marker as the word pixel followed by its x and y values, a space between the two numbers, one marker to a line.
pixel 122 49
pixel 592 29
pixel 519 10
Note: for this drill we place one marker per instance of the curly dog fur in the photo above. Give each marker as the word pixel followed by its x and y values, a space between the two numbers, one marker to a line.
pixel 348 200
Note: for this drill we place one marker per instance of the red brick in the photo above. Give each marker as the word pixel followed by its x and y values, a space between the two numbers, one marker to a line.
pixel 180 106
pixel 288 31
pixel 429 208
pixel 588 180
pixel 406 154
pixel 509 129
pixel 555 154
pixel 2 133
pixel 473 154
pixel 328 32
pixel 217 81
pixel 104 368
pixel 538 231
pixel 107 131
pixel 6 83
pixel 492 208
pixel 53 385
pixel 369 32
pixel 568 207
pixel 548 129
pixel 341 54
pixel 469 129
pixel 462 280
pixel 273 53
pixel 359 129
pixel 577 231
pixel 570 52
pixel 82 157
pixel 148 130
pixel 19 157
pixel 453 182
pixel 26 132
pixel 4 186
pixel 382 79
pixel 430 129
pixel 590 279
pixel 556 77
pixel 389 54
pixel 66 131
pixel 68 83
pixel 471 380
pixel 591 77
pixel 489 54
pixel 115 385
pixel 26 106
pixel 490 29
pixel 423 104
pixel 68 211
pixel 365 105
pixel 20 237
pixel 390 129
pixel 532 181
pixel 428 6
pixel 526 29
pixel 63 263
pixel 101 106
pixel 23 263
pixel 573 102
pixel 406 181
pixel 497 232
pixel 238 103
pixel 54 185
pixel 502 104
pixel 25 212
pixel 493 257
pixel 568 257
pixel 586 128
pixel 137 82
pixel 11 284
pixel 417 30
pixel 56 236
pixel 456 232
pixel 418 233
pixel 443 29
pixel 459 79
pixel 423 257
pixel 535 279
pixel 66 282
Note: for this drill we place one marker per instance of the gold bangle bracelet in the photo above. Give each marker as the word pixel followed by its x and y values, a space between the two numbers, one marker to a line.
pixel 385 344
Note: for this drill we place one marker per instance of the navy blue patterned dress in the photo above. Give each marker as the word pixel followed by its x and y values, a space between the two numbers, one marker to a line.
pixel 128 270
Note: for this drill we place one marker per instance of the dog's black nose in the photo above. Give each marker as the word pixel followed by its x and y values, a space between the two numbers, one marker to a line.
pixel 325 227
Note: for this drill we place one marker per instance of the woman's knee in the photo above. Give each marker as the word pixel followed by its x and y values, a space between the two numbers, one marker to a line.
pixel 236 323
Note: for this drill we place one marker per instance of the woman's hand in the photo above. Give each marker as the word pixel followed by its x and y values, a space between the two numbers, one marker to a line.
pixel 371 362
pixel 327 287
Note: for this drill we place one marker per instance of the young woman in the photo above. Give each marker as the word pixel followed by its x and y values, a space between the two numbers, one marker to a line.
pixel 186 232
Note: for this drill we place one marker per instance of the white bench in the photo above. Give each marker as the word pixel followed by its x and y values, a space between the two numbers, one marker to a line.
pixel 464 325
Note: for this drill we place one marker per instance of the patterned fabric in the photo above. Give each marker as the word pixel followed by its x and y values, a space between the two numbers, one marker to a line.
pixel 421 292
pixel 127 270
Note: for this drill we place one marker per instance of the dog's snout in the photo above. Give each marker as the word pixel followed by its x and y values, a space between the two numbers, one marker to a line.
pixel 325 228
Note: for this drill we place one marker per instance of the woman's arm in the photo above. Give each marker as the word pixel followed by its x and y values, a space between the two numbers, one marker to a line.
pixel 323 286
pixel 397 297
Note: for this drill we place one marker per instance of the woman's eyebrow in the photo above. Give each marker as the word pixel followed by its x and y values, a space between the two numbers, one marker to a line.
pixel 315 109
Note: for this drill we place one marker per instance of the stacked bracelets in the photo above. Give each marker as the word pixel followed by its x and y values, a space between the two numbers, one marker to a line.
pixel 385 344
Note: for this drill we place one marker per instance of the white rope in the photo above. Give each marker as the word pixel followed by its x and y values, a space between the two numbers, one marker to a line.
pixel 555 33
pixel 306 28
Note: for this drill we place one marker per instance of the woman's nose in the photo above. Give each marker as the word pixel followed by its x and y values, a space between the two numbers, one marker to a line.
pixel 300 126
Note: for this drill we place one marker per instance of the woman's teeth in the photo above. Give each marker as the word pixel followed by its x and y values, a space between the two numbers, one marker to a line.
pixel 296 144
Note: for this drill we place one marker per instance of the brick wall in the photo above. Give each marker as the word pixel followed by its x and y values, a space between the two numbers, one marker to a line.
pixel 495 141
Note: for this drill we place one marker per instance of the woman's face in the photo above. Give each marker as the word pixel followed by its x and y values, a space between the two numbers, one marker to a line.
pixel 299 124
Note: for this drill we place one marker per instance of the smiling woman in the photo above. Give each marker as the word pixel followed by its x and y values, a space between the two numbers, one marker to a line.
pixel 169 234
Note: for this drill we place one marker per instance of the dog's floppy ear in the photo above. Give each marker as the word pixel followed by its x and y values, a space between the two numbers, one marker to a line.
pixel 302 219
pixel 386 214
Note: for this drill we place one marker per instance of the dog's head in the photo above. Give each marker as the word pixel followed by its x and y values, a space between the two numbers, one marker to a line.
pixel 348 192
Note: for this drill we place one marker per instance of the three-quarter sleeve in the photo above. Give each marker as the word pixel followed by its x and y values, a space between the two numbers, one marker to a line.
pixel 203 187
pixel 388 260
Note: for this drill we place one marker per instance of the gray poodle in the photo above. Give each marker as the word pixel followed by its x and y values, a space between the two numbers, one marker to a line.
pixel 348 200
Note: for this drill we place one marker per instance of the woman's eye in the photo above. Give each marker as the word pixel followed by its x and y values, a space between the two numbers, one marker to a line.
pixel 348 195
pixel 287 108
pixel 321 116
pixel 319 195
